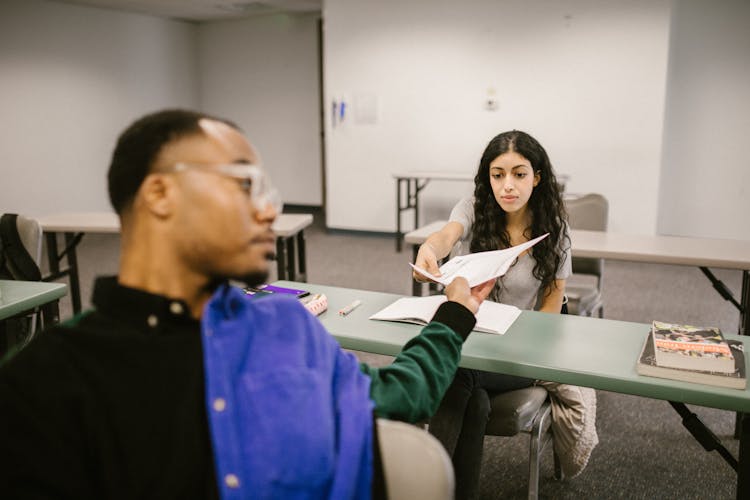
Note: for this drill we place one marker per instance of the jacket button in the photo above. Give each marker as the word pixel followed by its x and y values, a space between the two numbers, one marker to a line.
pixel 232 481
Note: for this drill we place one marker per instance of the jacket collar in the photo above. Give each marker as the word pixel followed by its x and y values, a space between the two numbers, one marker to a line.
pixel 137 308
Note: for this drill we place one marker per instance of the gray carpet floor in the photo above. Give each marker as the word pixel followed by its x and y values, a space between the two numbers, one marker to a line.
pixel 644 452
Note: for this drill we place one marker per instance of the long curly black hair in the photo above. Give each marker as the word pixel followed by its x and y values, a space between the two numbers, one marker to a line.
pixel 489 231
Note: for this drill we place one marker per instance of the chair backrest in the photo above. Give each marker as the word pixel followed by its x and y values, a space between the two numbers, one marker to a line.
pixel 20 256
pixel 21 240
pixel 31 236
pixel 415 464
pixel 589 212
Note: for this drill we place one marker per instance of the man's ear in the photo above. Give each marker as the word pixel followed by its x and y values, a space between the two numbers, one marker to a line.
pixel 157 192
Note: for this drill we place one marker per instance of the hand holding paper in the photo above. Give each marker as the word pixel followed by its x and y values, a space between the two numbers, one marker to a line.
pixel 471 298
pixel 479 267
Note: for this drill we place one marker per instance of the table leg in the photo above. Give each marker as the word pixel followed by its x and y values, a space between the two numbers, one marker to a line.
pixel 399 209
pixel 50 314
pixel 53 259
pixel 416 203
pixel 745 304
pixel 302 257
pixel 416 286
pixel 291 265
pixel 412 202
pixel 281 258
pixel 71 241
pixel 743 472
pixel 703 434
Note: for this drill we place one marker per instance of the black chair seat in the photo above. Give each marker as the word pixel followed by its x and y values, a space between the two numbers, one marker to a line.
pixel 513 412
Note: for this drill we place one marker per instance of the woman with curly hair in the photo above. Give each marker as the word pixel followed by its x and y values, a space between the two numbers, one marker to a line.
pixel 516 198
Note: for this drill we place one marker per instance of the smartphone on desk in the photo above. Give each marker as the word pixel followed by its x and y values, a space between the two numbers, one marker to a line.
pixel 271 289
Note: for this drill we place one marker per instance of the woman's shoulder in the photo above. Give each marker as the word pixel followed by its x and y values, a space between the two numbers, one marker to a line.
pixel 466 201
pixel 565 241
pixel 463 211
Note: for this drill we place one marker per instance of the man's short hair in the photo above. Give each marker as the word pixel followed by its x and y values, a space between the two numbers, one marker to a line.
pixel 139 145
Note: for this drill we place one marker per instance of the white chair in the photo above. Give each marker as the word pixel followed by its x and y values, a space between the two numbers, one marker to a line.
pixel 583 289
pixel 415 464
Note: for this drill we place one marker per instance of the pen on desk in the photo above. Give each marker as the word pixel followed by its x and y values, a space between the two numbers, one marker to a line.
pixel 346 310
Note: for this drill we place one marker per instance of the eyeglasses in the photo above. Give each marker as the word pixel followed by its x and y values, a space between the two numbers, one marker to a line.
pixel 251 178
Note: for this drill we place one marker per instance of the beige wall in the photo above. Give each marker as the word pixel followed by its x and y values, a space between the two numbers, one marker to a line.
pixel 71 78
pixel 587 78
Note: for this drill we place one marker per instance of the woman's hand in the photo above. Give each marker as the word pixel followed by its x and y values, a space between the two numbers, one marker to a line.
pixel 471 298
pixel 437 246
pixel 427 260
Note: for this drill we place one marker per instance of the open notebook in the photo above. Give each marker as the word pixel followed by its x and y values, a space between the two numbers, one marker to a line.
pixel 491 318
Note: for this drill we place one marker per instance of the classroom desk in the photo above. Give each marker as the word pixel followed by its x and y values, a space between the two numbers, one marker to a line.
pixel 21 296
pixel 414 181
pixel 589 352
pixel 677 250
pixel 291 262
pixel 289 228
pixel 655 249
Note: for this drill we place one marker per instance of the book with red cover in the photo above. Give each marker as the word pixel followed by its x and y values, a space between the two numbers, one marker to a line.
pixel 691 348
pixel 737 379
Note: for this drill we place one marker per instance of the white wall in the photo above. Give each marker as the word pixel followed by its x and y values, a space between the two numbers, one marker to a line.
pixel 71 78
pixel 705 188
pixel 262 72
pixel 585 77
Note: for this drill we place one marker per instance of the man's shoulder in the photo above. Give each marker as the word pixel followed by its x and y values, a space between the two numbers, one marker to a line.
pixel 42 363
pixel 283 311
pixel 49 348
pixel 277 304
pixel 286 321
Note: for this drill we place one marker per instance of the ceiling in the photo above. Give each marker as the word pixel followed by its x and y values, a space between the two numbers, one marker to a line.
pixel 204 10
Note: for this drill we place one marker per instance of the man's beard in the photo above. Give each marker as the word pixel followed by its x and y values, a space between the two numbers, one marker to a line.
pixel 256 278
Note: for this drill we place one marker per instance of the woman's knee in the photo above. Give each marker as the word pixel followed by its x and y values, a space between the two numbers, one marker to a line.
pixel 479 404
pixel 467 379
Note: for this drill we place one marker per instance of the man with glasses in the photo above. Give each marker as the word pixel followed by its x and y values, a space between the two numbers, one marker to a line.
pixel 179 385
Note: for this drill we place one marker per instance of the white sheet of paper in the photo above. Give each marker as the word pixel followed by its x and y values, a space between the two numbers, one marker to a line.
pixel 481 266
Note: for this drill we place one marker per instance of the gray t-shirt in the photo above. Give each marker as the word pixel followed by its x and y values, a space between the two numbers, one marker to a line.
pixel 518 287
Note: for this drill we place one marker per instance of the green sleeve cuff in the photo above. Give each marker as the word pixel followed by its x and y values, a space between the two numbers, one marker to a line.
pixel 456 317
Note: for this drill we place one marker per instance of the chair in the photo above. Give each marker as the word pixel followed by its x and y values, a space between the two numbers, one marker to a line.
pixel 583 288
pixel 525 410
pixel 415 464
pixel 31 236
pixel 20 329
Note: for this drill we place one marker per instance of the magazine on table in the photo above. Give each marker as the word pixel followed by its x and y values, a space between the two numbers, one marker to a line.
pixel 737 379
pixel 691 347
